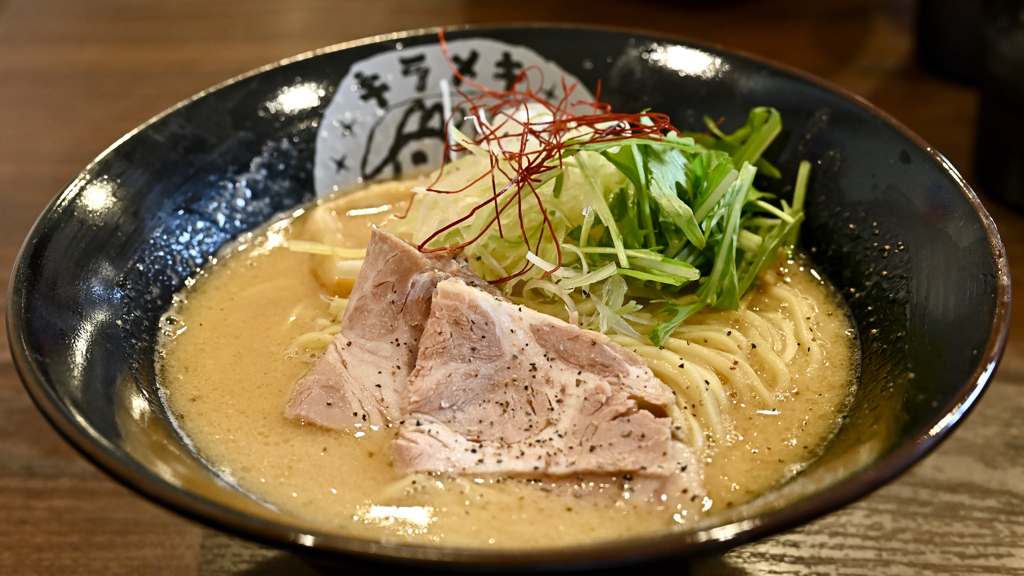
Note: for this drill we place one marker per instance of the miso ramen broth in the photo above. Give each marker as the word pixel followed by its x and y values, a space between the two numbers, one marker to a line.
pixel 229 367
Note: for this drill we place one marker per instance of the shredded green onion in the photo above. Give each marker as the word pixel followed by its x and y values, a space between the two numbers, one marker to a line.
pixel 669 225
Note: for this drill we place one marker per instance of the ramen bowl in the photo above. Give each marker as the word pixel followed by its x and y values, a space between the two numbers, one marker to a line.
pixel 889 221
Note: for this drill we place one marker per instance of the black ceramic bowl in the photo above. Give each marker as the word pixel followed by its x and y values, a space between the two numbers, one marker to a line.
pixel 102 262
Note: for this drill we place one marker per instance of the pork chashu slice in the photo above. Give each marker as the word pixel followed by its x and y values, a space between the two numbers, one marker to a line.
pixel 502 389
pixel 362 377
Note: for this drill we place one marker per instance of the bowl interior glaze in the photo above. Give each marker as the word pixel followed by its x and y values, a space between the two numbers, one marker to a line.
pixel 893 226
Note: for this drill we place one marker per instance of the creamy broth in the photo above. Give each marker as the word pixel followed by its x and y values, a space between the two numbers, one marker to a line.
pixel 228 369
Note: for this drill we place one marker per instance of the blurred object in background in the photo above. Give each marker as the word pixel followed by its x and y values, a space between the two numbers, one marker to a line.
pixel 949 38
pixel 999 141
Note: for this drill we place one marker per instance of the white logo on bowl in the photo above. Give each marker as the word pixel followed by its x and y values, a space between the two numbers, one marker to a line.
pixel 386 119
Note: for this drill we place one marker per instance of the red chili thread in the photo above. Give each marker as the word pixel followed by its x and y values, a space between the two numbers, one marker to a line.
pixel 530 166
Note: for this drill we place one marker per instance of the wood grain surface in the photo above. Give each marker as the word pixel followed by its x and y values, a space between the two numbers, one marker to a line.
pixel 75 75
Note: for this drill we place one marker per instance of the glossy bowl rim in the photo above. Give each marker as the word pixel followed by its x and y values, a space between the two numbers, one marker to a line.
pixel 142 481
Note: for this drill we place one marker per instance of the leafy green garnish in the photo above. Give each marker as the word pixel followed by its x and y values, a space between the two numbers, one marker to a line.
pixel 680 312
pixel 667 219
pixel 749 142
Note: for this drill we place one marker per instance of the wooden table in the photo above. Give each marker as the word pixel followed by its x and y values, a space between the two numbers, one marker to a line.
pixel 75 75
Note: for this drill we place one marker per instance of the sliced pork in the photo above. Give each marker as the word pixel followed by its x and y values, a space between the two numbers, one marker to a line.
pixel 502 389
pixel 362 377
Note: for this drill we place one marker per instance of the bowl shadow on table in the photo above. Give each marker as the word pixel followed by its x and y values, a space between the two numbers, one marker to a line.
pixel 223 555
